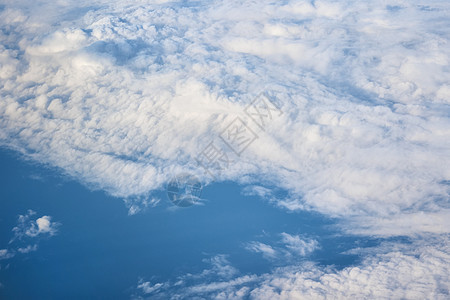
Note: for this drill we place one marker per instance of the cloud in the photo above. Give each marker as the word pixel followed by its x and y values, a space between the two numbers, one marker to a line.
pixel 266 250
pixel 219 275
pixel 220 266
pixel 42 226
pixel 224 287
pixel 27 233
pixel 393 270
pixel 6 254
pixel 138 204
pixel 148 288
pixel 27 249
pixel 298 245
pixel 414 274
pixel 124 97
pixel 292 247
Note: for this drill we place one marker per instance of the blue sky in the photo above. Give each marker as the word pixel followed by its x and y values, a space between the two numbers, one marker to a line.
pixel 337 184
pixel 100 245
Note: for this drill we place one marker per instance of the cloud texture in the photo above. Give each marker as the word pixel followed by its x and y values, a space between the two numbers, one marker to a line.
pixel 418 270
pixel 124 96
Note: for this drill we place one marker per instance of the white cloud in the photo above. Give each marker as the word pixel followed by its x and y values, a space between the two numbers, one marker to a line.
pixel 416 270
pixel 6 254
pixel 298 245
pixel 138 204
pixel 224 287
pixel 126 96
pixel 148 288
pixel 220 266
pixel 27 249
pixel 420 273
pixel 26 227
pixel 266 250
pixel 42 225
pixel 292 247
pixel 29 230
pixel 219 276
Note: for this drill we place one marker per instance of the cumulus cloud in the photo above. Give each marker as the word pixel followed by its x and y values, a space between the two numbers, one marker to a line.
pixel 26 227
pixel 125 96
pixel 420 273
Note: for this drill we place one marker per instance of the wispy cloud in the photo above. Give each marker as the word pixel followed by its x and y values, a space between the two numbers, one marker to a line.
pixel 139 204
pixel 297 245
pixel 148 288
pixel 418 270
pixel 258 247
pixel 5 254
pixel 289 246
pixel 219 270
pixel 27 249
pixel 27 227
pixel 27 234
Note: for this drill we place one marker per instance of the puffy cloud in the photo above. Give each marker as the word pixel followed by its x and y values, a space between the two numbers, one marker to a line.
pixel 411 274
pixel 220 266
pixel 125 96
pixel 42 226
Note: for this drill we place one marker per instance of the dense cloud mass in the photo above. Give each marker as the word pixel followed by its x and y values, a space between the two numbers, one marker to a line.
pixel 124 96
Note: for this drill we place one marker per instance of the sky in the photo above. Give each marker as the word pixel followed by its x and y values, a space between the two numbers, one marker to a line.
pixel 318 132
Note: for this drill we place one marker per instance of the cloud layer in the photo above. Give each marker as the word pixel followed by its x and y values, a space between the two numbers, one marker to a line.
pixel 122 97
